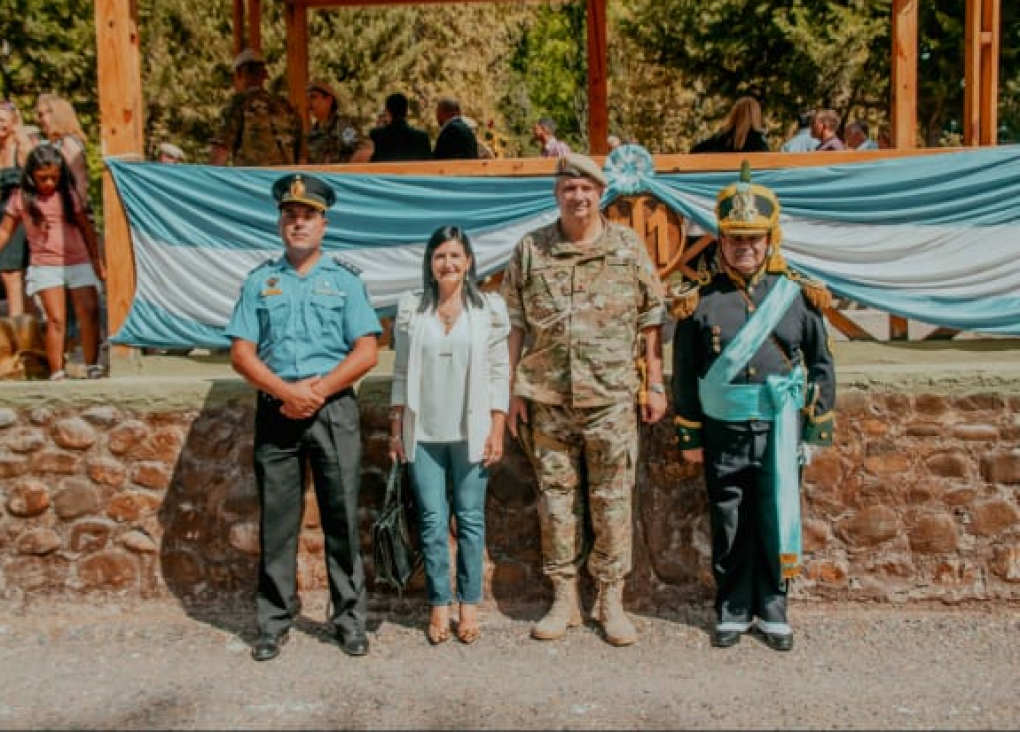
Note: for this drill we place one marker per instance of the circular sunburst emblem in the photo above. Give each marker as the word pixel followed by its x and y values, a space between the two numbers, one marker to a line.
pixel 629 167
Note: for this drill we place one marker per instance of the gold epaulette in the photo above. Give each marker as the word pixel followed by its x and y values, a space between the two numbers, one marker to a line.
pixel 816 292
pixel 686 423
pixel 683 298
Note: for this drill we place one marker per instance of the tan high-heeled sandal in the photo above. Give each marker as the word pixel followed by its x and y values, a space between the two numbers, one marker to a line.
pixel 438 631
pixel 468 630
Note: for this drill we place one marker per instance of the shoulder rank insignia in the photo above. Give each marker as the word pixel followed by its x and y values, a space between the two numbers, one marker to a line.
pixel 347 264
pixel 683 299
pixel 816 292
pixel 260 265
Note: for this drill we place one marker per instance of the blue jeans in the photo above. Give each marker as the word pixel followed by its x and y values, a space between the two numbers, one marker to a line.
pixel 434 464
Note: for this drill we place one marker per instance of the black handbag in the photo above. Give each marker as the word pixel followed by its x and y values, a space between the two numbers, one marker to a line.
pixel 396 547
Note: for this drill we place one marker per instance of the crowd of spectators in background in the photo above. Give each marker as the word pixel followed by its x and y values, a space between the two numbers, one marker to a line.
pixel 260 128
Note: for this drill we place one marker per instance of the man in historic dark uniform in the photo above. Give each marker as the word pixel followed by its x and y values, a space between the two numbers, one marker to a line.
pixel 753 379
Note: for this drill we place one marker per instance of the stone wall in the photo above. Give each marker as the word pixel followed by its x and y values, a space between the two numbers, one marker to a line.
pixel 144 488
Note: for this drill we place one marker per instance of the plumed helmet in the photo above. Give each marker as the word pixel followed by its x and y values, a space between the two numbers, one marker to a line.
pixel 748 208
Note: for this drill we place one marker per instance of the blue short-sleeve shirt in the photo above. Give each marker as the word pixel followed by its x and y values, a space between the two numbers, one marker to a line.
pixel 303 326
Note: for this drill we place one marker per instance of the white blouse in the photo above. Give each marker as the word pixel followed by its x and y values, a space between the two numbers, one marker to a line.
pixel 465 401
pixel 442 414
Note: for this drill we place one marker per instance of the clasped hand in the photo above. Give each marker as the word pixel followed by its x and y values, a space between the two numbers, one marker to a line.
pixel 303 399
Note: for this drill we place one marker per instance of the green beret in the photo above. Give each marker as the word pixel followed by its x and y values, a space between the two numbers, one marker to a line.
pixel 575 165
pixel 302 188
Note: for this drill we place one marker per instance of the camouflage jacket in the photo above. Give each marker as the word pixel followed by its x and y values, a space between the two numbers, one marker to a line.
pixel 582 308
pixel 260 128
pixel 335 141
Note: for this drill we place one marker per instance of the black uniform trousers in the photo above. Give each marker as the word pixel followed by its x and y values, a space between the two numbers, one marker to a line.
pixel 737 463
pixel 329 444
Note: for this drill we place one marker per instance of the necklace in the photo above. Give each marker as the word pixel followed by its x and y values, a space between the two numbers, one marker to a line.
pixel 449 316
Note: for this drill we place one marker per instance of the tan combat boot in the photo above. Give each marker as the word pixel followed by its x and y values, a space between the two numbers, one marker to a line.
pixel 564 613
pixel 609 611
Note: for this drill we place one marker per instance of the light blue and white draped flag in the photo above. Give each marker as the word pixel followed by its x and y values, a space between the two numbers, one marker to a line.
pixel 934 238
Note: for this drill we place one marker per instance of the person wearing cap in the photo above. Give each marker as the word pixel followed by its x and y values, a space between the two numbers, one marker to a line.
pixel 304 332
pixel 333 137
pixel 455 140
pixel 257 127
pixel 169 153
pixel 584 294
pixel 753 378
pixel 395 139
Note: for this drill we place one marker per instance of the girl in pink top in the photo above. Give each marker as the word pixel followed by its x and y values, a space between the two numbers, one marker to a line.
pixel 63 253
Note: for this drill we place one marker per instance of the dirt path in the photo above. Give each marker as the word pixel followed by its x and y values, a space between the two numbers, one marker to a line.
pixel 151 666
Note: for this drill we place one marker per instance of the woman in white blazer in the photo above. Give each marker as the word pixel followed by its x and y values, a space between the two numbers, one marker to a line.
pixel 451 391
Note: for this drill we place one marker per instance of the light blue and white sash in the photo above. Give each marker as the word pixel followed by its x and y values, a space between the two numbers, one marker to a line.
pixel 778 400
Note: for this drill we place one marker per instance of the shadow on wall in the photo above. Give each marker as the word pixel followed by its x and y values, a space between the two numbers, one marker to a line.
pixel 209 517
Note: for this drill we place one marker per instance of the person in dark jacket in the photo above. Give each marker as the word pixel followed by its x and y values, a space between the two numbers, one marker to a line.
pixel 456 139
pixel 743 131
pixel 397 140
pixel 753 381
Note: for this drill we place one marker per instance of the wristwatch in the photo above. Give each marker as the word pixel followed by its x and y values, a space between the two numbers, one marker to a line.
pixel 657 388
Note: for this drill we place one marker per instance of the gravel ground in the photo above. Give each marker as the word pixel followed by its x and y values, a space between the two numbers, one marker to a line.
pixel 151 665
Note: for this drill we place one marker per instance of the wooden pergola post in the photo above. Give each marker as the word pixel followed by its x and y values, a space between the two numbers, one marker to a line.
pixel 296 16
pixel 903 86
pixel 598 85
pixel 121 113
pixel 981 91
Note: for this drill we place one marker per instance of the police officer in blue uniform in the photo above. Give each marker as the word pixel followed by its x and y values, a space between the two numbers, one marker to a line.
pixel 753 380
pixel 303 333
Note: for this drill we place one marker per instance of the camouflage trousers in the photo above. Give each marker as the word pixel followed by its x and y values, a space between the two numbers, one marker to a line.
pixel 600 445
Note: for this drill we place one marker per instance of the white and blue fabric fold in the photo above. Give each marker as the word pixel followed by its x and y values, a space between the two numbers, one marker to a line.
pixel 934 238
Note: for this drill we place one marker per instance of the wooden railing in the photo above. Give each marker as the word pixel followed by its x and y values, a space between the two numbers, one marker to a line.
pixel 665 232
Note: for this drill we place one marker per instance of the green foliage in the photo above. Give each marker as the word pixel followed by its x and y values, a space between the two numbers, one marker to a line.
pixel 789 55
pixel 675 66
pixel 550 63
pixel 53 50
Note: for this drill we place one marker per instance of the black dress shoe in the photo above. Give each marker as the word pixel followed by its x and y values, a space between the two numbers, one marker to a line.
pixel 725 638
pixel 778 642
pixel 354 643
pixel 267 647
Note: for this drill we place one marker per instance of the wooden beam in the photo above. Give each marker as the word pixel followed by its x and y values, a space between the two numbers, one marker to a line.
pixel 904 75
pixel 238 26
pixel 598 85
pixel 972 74
pixel 990 38
pixel 296 17
pixel 383 3
pixel 121 113
pixel 255 25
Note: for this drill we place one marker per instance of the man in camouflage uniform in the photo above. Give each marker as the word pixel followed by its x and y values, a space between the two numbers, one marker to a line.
pixel 585 294
pixel 333 137
pixel 257 127
pixel 753 377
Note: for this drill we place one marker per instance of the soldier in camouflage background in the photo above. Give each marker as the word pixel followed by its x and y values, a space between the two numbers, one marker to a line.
pixel 585 293
pixel 333 137
pixel 257 127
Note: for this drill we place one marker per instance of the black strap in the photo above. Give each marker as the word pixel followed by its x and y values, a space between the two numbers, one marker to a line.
pixel 393 485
